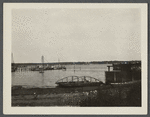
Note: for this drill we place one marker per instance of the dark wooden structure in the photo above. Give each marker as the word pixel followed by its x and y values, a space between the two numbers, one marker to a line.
pixel 123 73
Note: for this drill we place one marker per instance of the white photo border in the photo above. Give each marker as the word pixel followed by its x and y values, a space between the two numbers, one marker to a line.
pixel 7 109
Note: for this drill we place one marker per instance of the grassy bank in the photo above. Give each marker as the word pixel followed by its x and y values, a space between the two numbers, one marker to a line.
pixel 116 95
pixel 107 95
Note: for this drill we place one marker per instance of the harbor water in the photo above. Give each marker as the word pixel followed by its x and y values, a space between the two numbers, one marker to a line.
pixel 28 78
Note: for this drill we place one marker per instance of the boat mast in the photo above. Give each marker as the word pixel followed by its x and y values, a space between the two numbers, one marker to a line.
pixel 58 63
pixel 41 67
pixel 74 67
pixel 13 68
pixel 12 59
pixel 42 59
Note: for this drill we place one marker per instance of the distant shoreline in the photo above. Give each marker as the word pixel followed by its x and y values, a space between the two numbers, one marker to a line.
pixel 81 63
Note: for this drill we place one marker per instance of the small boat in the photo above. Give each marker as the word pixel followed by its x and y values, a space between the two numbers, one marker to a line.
pixel 78 81
pixel 41 69
pixel 60 67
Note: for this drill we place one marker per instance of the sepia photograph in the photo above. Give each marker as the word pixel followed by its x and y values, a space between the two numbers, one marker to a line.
pixel 75 55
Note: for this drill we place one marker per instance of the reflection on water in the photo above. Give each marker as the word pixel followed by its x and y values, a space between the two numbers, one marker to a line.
pixel 49 77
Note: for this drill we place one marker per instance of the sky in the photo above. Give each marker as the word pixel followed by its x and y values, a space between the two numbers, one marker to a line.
pixel 73 35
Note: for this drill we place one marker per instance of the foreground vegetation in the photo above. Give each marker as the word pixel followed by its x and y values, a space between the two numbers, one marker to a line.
pixel 128 94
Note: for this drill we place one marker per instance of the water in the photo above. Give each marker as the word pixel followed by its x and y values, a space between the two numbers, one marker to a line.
pixel 49 77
